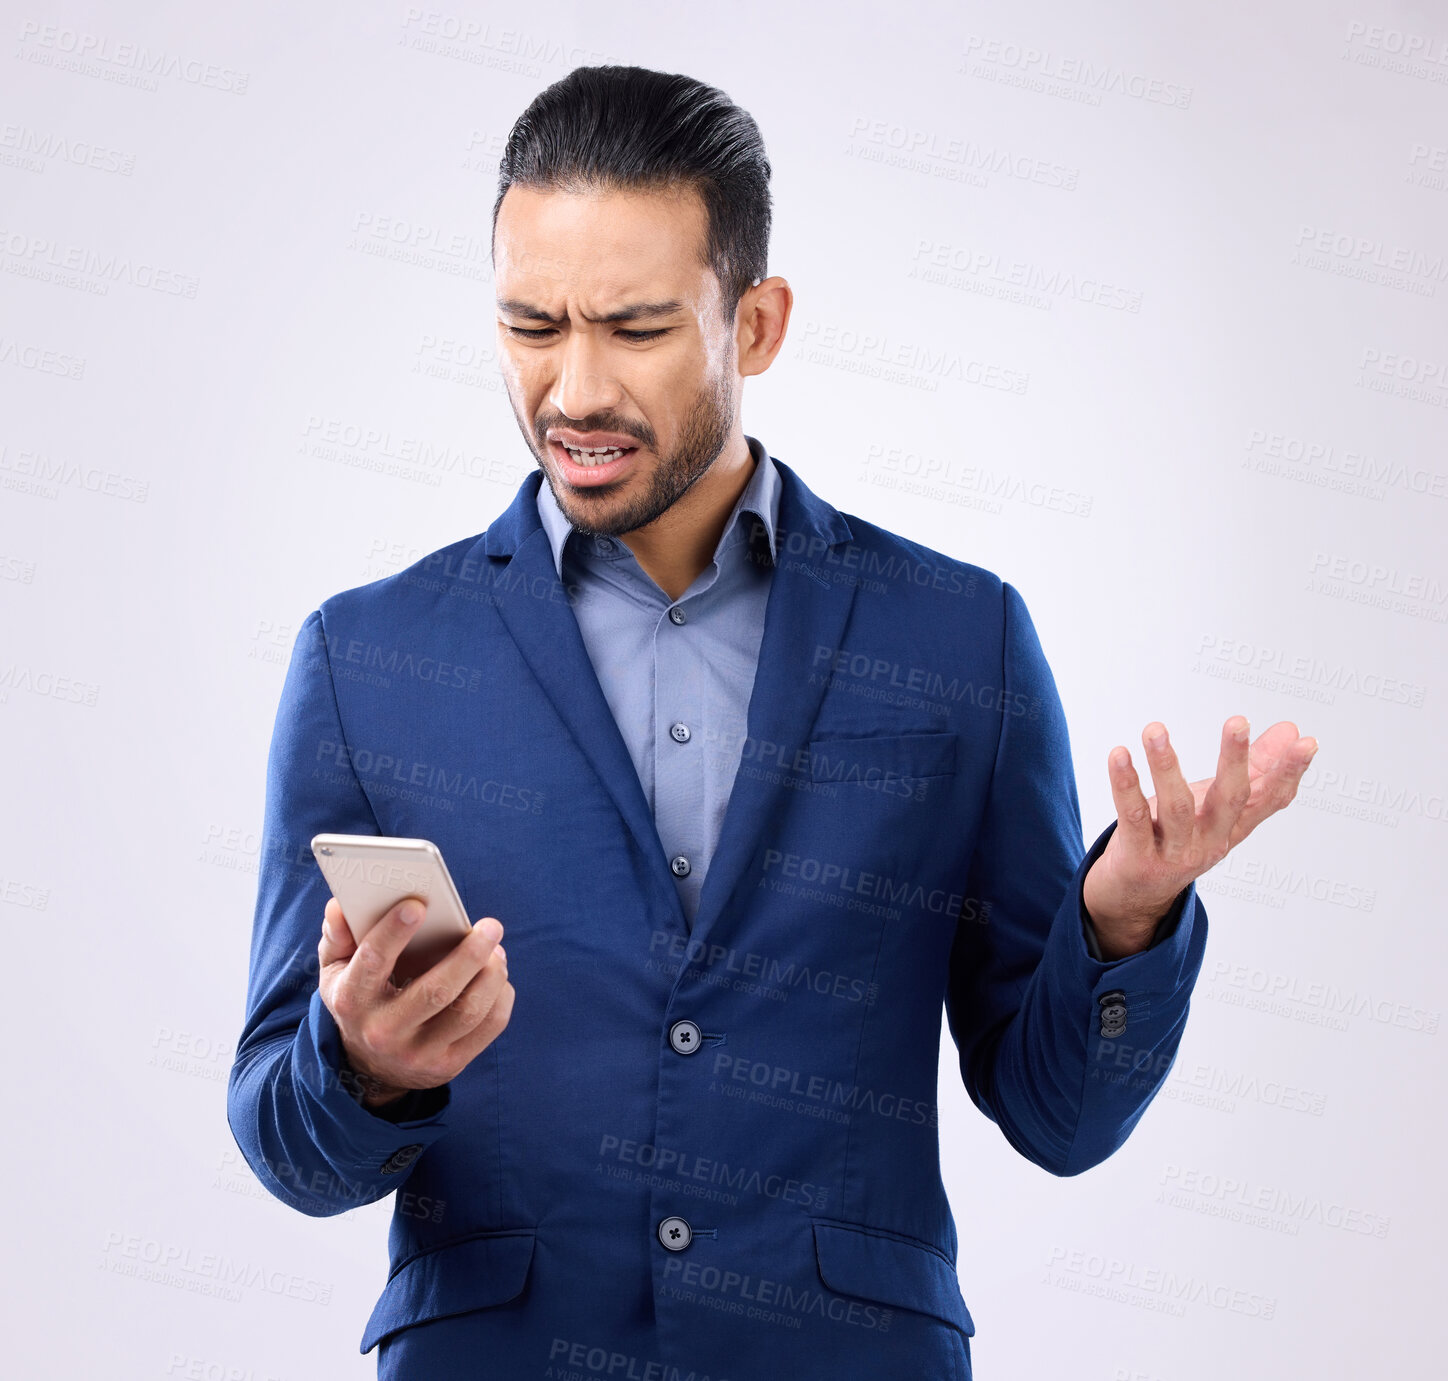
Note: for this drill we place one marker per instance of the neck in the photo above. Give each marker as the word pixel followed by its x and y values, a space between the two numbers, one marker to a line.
pixel 681 541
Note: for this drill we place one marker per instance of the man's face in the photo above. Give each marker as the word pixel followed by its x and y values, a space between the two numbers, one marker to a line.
pixel 661 383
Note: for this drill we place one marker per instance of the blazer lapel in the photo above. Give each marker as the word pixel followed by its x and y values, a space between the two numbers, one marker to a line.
pixel 806 609
pixel 534 606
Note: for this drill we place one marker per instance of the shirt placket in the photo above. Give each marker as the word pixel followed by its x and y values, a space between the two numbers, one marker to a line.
pixel 681 736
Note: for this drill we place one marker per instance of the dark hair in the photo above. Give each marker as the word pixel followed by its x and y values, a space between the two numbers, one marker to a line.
pixel 601 128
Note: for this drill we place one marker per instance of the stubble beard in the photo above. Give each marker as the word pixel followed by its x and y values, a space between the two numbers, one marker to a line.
pixel 705 432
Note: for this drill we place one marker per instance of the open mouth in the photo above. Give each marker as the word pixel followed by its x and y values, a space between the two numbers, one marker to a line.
pixel 585 466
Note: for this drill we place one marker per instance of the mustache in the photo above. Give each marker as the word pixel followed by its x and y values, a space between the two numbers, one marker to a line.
pixel 592 424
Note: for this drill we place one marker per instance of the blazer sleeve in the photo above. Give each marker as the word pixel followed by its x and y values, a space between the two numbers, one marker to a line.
pixel 309 1140
pixel 1061 1049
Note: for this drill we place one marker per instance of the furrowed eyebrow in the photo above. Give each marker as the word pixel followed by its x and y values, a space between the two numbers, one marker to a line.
pixel 636 311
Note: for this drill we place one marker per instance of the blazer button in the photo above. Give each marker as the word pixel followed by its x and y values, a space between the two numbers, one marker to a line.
pixel 675 1233
pixel 680 866
pixel 1113 1013
pixel 401 1159
pixel 684 1037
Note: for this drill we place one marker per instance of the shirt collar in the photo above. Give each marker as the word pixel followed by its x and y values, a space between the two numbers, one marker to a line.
pixel 760 498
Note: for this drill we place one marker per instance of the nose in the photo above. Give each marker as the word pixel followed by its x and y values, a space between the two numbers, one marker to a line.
pixel 584 384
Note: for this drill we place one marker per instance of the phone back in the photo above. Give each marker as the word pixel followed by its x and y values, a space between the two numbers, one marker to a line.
pixel 370 874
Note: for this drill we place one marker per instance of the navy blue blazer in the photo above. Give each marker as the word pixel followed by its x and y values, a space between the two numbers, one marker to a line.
pixel 706 1152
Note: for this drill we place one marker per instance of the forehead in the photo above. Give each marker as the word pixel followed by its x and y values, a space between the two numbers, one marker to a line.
pixel 601 245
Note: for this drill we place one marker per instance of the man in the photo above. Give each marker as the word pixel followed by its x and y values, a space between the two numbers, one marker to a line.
pixel 748 821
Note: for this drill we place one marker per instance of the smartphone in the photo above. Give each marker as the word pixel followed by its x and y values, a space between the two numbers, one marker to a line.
pixel 370 873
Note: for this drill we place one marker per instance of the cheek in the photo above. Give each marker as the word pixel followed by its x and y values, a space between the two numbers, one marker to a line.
pixel 521 375
pixel 670 390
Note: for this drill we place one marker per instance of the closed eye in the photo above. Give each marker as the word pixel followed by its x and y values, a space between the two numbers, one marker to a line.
pixel 527 334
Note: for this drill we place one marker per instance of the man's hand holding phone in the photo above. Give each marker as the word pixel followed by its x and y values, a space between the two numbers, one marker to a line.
pixel 427 1032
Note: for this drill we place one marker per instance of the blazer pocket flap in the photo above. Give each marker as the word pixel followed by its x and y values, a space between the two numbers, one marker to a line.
pixel 876 757
pixel 891 1270
pixel 452 1279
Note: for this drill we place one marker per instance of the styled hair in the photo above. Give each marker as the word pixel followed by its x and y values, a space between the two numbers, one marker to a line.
pixel 611 128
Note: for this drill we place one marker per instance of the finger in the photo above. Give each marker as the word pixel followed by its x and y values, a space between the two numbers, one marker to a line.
pixel 1230 789
pixel 1133 814
pixel 462 1052
pixel 1276 787
pixel 431 992
pixel 337 943
pixel 369 972
pixel 1176 807
pixel 471 1006
pixel 1269 747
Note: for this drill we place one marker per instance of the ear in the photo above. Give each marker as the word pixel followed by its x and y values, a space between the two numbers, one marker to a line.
pixel 761 322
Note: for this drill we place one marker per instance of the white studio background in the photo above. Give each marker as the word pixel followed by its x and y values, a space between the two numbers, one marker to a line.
pixel 1139 306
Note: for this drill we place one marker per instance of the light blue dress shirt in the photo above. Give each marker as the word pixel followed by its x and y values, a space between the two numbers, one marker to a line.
pixel 678 674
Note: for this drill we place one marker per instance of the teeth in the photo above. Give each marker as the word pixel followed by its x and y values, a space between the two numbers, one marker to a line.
pixel 597 455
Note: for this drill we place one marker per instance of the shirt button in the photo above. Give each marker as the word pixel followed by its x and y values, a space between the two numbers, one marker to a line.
pixel 680 865
pixel 677 615
pixel 679 732
pixel 605 545
pixel 675 1233
pixel 684 1037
